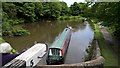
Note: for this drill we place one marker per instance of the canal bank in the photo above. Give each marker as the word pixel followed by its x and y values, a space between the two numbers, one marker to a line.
pixel 110 58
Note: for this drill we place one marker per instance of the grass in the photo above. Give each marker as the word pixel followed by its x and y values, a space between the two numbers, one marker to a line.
pixel 110 58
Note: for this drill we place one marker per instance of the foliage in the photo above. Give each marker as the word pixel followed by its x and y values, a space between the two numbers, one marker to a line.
pixel 10 9
pixel 90 51
pixel 64 9
pixel 15 13
pixel 14 51
pixel 8 26
pixel 51 9
pixel 18 31
pixel 22 12
pixel 108 13
pixel 38 10
pixel 75 9
pixel 78 9
pixel 69 18
pixel 28 11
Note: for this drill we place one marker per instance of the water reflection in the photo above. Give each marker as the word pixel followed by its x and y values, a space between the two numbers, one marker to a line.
pixel 80 40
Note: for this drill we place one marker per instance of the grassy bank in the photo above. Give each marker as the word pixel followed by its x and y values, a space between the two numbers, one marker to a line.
pixel 110 58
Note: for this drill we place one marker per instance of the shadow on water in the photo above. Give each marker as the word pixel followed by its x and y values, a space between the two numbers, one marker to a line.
pixel 47 31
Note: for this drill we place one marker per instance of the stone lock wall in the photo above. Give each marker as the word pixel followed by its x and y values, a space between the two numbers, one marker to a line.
pixel 97 62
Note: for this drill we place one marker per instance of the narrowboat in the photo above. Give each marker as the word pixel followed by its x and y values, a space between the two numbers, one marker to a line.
pixel 58 48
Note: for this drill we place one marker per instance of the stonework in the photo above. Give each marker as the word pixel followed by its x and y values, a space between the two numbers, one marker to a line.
pixel 96 63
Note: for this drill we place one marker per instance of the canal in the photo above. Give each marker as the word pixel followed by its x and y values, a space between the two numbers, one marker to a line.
pixel 46 31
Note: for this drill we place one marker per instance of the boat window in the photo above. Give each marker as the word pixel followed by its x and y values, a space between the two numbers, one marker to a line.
pixel 60 53
pixel 50 52
pixel 55 52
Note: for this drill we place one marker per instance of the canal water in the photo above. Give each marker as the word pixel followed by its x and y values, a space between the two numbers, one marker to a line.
pixel 80 40
pixel 47 30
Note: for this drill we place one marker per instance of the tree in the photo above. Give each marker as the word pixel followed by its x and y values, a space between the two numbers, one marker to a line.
pixel 38 10
pixel 109 14
pixel 51 9
pixel 10 9
pixel 64 9
pixel 84 9
pixel 75 9
pixel 29 13
pixel 6 26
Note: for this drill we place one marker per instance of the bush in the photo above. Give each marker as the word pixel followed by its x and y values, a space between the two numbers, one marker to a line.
pixel 15 31
pixel 19 32
pixel 61 18
pixel 15 22
pixel 18 21
pixel 69 18
pixel 12 28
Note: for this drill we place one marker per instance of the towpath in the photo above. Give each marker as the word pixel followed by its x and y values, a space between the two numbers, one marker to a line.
pixel 111 42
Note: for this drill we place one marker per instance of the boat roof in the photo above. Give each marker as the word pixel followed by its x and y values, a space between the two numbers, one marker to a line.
pixel 59 41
